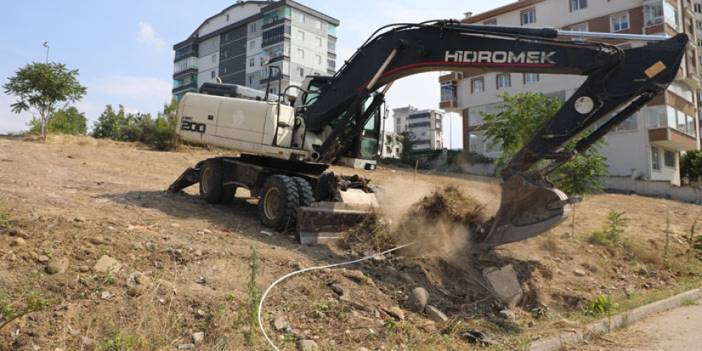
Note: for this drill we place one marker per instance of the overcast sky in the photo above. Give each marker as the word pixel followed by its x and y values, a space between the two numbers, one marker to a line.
pixel 123 49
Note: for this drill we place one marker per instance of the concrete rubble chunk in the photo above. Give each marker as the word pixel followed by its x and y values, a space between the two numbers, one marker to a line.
pixel 507 314
pixel 307 345
pixel 435 314
pixel 281 324
pixel 107 264
pixel 395 312
pixel 418 299
pixel 198 337
pixel 504 284
pixel 57 266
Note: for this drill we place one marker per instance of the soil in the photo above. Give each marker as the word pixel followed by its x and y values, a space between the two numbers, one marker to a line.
pixel 185 264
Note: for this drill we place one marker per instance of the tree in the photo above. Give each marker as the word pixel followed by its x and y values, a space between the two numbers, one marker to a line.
pixel 42 87
pixel 65 121
pixel 158 132
pixel 691 165
pixel 515 122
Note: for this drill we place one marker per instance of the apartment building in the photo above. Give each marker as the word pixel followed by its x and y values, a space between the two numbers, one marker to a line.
pixel 240 44
pixel 647 145
pixel 424 127
pixel 391 146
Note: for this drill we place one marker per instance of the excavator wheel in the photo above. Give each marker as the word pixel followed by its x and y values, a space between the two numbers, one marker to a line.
pixel 304 189
pixel 211 180
pixel 279 200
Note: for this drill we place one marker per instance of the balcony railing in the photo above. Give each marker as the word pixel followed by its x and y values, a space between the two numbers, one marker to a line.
pixel 671 138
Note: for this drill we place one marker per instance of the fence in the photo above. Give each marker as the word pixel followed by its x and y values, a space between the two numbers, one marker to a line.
pixel 653 188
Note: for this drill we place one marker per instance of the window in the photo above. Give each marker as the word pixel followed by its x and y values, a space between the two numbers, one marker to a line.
pixel 319 60
pixel 528 16
pixel 214 58
pixel 581 27
pixel 317 24
pixel 300 35
pixel 225 53
pixel 227 17
pixel 530 78
pixel 319 42
pixel 619 22
pixel 448 91
pixel 698 25
pixel 669 159
pixel 577 5
pixel 252 44
pixel 301 72
pixel 503 80
pixel 698 7
pixel 659 11
pixel 224 70
pixel 301 53
pixel 301 18
pixel 491 22
pixel 213 74
pixel 655 159
pixel 477 85
pixel 252 27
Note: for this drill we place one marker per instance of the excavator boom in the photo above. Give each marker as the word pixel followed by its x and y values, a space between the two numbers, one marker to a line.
pixel 619 83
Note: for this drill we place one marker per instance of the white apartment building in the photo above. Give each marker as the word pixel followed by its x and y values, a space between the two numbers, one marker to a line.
pixel 239 45
pixel 647 145
pixel 424 127
pixel 391 145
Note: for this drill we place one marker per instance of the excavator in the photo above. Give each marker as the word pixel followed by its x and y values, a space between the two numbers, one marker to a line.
pixel 286 147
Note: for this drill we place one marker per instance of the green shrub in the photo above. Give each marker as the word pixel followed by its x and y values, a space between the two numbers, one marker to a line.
pixel 159 132
pixel 614 226
pixel 601 305
pixel 65 121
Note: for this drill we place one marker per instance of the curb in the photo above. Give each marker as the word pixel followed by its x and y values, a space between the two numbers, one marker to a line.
pixel 614 322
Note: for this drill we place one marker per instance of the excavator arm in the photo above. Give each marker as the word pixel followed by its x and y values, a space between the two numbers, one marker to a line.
pixel 619 83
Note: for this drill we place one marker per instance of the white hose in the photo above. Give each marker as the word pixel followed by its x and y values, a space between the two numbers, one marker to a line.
pixel 268 290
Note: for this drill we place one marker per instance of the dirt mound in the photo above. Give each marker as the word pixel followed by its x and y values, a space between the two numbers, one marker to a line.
pixel 440 223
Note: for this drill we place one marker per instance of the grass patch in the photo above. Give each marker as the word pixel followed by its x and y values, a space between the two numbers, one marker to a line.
pixel 601 305
pixel 10 312
pixel 689 302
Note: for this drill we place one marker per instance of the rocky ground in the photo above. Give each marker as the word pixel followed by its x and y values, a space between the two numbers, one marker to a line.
pixel 90 240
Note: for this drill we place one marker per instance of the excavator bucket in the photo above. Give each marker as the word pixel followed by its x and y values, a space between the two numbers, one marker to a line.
pixel 529 207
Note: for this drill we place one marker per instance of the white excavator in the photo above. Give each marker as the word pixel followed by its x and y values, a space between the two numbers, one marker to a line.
pixel 286 143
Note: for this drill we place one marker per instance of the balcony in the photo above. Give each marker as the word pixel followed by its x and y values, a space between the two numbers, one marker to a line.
pixel 671 139
pixel 448 105
pixel 185 87
pixel 449 92
pixel 273 23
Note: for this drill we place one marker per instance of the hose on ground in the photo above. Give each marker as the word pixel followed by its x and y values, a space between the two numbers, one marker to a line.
pixel 346 263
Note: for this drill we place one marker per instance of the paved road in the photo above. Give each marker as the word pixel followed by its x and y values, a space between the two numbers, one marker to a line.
pixel 678 329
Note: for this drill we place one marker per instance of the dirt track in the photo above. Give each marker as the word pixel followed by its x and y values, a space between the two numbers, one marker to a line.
pixel 72 190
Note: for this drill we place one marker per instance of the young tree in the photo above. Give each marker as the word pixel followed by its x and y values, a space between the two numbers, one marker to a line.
pixel 66 121
pixel 109 123
pixel 513 125
pixel 42 87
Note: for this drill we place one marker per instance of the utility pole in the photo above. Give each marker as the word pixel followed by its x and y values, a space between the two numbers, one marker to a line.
pixel 46 45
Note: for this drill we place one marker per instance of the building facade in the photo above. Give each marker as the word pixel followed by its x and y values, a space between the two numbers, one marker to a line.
pixel 240 44
pixel 649 144
pixel 424 127
pixel 391 146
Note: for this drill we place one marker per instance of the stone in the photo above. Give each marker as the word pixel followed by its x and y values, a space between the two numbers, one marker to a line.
pixel 504 284
pixel 355 275
pixel 84 269
pixel 419 299
pixel 307 345
pixel 579 273
pixel 281 324
pixel 507 314
pixel 97 240
pixel 57 266
pixel 106 295
pixel 567 323
pixel 17 241
pixel 198 337
pixel 338 289
pixel 18 233
pixel 395 312
pixel 107 264
pixel 185 346
pixel 435 314
pixel 43 259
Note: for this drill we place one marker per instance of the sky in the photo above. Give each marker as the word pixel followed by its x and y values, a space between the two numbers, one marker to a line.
pixel 123 49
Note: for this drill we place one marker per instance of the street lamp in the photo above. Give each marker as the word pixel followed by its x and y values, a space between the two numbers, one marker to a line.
pixel 46 45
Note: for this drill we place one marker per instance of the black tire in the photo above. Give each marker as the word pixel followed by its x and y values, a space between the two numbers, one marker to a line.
pixel 228 194
pixel 304 189
pixel 278 201
pixel 211 179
